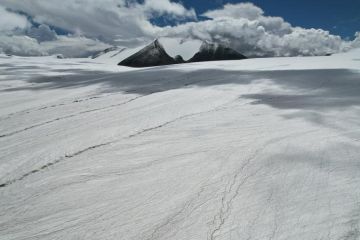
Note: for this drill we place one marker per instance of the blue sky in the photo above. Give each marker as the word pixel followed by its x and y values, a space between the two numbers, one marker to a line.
pixel 340 17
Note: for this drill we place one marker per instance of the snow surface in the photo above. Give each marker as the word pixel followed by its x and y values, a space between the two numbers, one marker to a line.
pixel 250 149
pixel 186 48
pixel 117 55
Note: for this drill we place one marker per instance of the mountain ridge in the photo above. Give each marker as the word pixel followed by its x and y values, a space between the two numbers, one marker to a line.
pixel 215 52
pixel 154 54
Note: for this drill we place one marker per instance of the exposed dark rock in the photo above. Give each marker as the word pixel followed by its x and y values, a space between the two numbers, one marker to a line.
pixel 155 55
pixel 152 55
pixel 179 59
pixel 215 52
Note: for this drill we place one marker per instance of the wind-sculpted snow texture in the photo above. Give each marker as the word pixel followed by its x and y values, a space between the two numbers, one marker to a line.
pixel 251 149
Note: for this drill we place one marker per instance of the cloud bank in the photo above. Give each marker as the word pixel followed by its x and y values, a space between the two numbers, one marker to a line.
pixel 245 28
pixel 88 24
pixel 81 27
pixel 11 21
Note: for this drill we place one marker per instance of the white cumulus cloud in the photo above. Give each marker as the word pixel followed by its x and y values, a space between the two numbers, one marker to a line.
pixel 236 11
pixel 165 7
pixel 10 21
pixel 356 42
pixel 244 27
pixel 20 45
pixel 68 46
pixel 105 20
pixel 91 25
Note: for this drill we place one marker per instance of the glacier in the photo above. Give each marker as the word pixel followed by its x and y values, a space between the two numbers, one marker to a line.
pixel 265 148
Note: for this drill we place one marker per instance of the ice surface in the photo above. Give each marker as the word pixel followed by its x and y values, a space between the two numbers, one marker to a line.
pixel 250 149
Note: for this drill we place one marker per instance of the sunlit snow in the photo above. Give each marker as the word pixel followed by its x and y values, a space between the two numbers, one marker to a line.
pixel 252 149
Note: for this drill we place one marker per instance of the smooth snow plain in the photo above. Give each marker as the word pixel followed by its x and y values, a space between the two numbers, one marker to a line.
pixel 251 149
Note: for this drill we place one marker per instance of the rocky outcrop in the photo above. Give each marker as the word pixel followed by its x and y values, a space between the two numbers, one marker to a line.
pixel 215 52
pixel 151 55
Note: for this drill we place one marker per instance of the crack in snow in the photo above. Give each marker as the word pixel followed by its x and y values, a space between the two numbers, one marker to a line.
pixel 230 194
pixel 185 211
pixel 68 156
pixel 31 110
pixel 69 116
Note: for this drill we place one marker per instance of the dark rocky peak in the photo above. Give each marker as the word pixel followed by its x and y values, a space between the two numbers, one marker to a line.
pixel 151 55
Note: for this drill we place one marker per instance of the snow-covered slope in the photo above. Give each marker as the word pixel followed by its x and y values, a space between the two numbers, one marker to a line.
pixel 186 48
pixel 115 55
pixel 110 52
pixel 251 149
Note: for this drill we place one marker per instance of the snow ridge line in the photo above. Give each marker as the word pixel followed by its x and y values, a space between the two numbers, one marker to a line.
pixel 68 156
pixel 68 116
